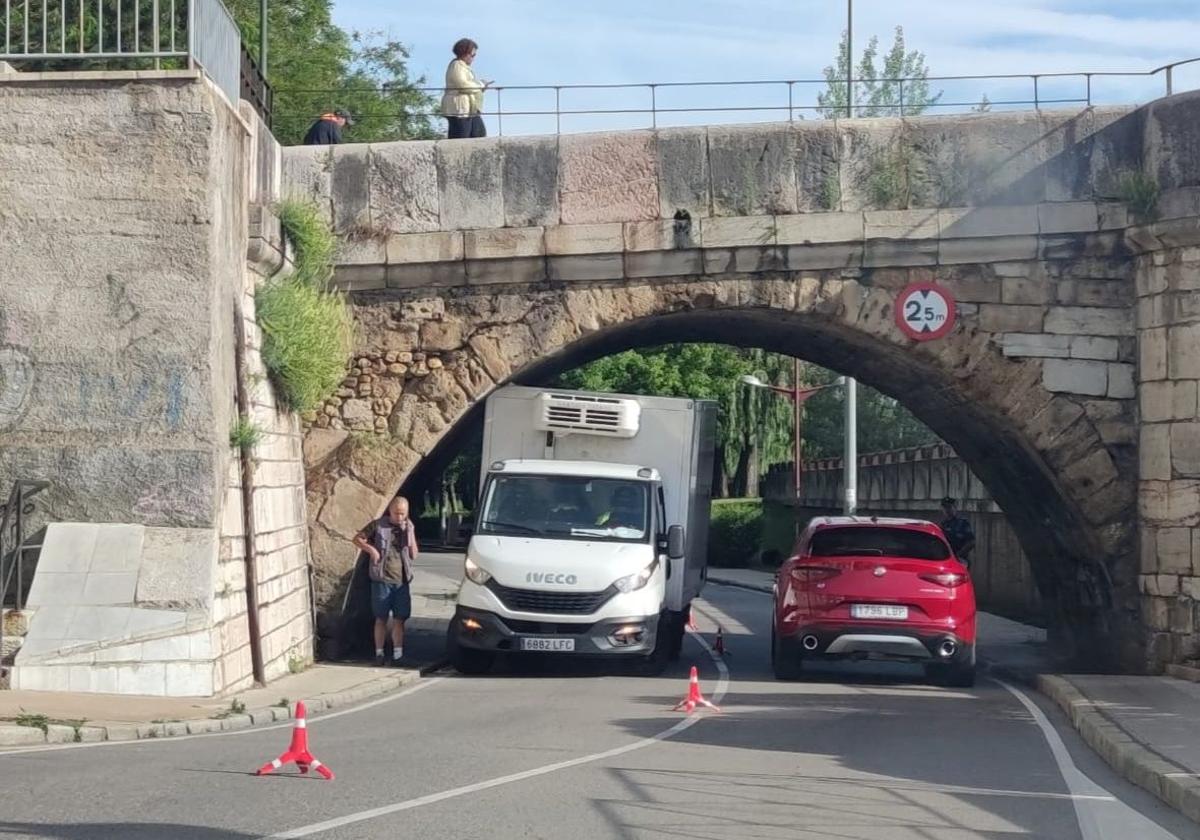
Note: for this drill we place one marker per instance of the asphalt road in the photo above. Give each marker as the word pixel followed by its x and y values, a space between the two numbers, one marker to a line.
pixel 568 751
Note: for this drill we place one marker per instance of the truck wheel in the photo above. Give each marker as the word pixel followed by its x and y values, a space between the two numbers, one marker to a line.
pixel 656 661
pixel 473 662
pixel 786 664
pixel 677 632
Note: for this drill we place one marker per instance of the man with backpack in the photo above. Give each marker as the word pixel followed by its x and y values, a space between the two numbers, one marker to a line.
pixel 958 531
pixel 327 131
pixel 390 543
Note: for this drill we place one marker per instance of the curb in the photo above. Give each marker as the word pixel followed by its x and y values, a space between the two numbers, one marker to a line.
pixel 1171 783
pixel 752 587
pixel 12 735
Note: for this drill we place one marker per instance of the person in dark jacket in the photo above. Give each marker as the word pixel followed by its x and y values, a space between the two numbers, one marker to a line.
pixel 958 530
pixel 327 131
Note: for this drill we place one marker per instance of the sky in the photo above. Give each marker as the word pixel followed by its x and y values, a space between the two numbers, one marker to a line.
pixel 559 42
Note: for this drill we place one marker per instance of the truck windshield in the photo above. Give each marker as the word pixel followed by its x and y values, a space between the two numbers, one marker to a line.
pixel 570 507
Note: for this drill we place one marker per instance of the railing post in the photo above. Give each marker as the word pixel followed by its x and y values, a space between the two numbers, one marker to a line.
pixel 557 109
pixel 654 106
pixel 1170 79
pixel 1089 89
pixel 791 115
pixel 17 555
pixel 1037 104
pixel 901 97
pixel 191 35
pixel 499 113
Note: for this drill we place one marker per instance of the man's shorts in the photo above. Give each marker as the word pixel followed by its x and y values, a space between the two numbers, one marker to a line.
pixel 390 597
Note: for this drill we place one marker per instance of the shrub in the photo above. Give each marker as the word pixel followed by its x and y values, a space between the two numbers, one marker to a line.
pixel 307 338
pixel 313 240
pixel 307 329
pixel 734 532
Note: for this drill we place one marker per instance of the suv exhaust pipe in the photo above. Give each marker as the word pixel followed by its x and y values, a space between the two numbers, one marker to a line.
pixel 947 649
pixel 810 642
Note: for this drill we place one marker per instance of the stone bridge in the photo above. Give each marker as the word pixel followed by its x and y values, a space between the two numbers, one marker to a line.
pixel 1068 385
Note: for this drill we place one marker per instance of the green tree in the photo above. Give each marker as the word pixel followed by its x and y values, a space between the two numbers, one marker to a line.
pixel 879 91
pixel 315 66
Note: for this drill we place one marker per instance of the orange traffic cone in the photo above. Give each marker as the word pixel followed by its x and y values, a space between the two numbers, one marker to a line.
pixel 694 697
pixel 719 644
pixel 297 750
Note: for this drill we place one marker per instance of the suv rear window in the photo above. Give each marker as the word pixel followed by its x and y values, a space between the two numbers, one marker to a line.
pixel 878 542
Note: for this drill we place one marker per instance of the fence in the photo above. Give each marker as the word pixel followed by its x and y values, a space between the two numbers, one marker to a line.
pixel 14 517
pixel 49 35
pixel 560 108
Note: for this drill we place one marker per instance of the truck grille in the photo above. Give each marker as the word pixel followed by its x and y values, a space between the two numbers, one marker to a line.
pixel 551 603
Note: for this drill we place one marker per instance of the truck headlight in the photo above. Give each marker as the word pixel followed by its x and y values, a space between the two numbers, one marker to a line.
pixel 634 582
pixel 476 573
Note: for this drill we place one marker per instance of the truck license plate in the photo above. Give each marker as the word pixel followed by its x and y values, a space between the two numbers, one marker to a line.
pixel 878 611
pixel 558 645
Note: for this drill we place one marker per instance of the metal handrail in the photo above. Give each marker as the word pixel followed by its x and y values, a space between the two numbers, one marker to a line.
pixel 12 542
pixel 134 34
pixel 652 105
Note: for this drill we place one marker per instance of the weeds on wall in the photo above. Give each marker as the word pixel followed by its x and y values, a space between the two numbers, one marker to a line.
pixel 245 434
pixel 1140 193
pixel 307 329
pixel 888 180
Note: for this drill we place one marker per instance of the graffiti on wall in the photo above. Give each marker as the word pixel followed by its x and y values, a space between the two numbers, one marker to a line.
pixel 16 384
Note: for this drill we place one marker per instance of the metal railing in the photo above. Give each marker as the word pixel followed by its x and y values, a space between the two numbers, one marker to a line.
pixel 50 35
pixel 13 520
pixel 659 104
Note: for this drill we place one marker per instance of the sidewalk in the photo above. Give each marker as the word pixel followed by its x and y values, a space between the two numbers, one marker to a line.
pixel 1146 728
pixel 65 717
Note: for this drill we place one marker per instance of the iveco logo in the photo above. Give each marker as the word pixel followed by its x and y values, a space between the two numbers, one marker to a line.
pixel 550 577
pixel 880 571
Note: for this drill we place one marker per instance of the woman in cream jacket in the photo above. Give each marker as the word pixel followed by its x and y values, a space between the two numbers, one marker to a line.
pixel 462 104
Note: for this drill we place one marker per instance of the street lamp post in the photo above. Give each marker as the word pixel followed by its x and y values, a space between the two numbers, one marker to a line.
pixel 798 396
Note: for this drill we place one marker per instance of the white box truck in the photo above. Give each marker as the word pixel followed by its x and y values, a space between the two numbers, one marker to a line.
pixel 591 532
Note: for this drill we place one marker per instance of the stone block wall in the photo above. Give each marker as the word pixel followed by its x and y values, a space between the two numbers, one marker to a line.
pixel 124 260
pixel 1168 314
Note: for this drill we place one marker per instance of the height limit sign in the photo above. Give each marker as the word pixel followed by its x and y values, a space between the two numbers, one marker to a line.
pixel 925 311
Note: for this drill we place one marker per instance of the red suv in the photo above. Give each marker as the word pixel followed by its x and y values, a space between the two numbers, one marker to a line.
pixel 859 587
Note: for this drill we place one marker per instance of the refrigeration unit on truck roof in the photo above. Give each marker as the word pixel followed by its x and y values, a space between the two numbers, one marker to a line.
pixel 569 413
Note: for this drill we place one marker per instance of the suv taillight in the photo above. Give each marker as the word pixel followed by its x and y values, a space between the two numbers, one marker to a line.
pixel 950 579
pixel 810 574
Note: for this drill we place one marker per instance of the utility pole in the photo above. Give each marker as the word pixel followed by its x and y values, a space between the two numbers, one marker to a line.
pixel 849 57
pixel 850 460
pixel 262 38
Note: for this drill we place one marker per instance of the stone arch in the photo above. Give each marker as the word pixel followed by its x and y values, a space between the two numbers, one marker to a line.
pixel 1062 466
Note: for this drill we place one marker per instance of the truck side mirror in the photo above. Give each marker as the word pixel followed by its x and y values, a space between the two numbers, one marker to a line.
pixel 675 542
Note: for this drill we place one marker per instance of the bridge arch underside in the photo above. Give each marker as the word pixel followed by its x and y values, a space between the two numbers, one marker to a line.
pixel 1062 466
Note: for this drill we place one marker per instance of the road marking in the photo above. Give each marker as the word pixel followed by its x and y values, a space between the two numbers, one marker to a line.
pixel 1101 815
pixel 253 730
pixel 410 804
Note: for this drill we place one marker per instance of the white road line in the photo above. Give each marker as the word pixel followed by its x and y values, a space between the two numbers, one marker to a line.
pixel 410 804
pixel 1101 815
pixel 254 730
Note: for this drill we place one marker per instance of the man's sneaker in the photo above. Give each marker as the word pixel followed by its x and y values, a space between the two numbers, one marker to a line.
pixel 403 662
pixel 379 661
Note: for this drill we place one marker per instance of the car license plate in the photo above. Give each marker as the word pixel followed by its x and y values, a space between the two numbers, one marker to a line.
pixel 878 611
pixel 558 645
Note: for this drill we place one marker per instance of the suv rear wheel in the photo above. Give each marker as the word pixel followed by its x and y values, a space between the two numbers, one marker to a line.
pixel 786 664
pixel 957 675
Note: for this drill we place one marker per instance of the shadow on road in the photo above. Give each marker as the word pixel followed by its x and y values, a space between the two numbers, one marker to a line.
pixel 119 831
